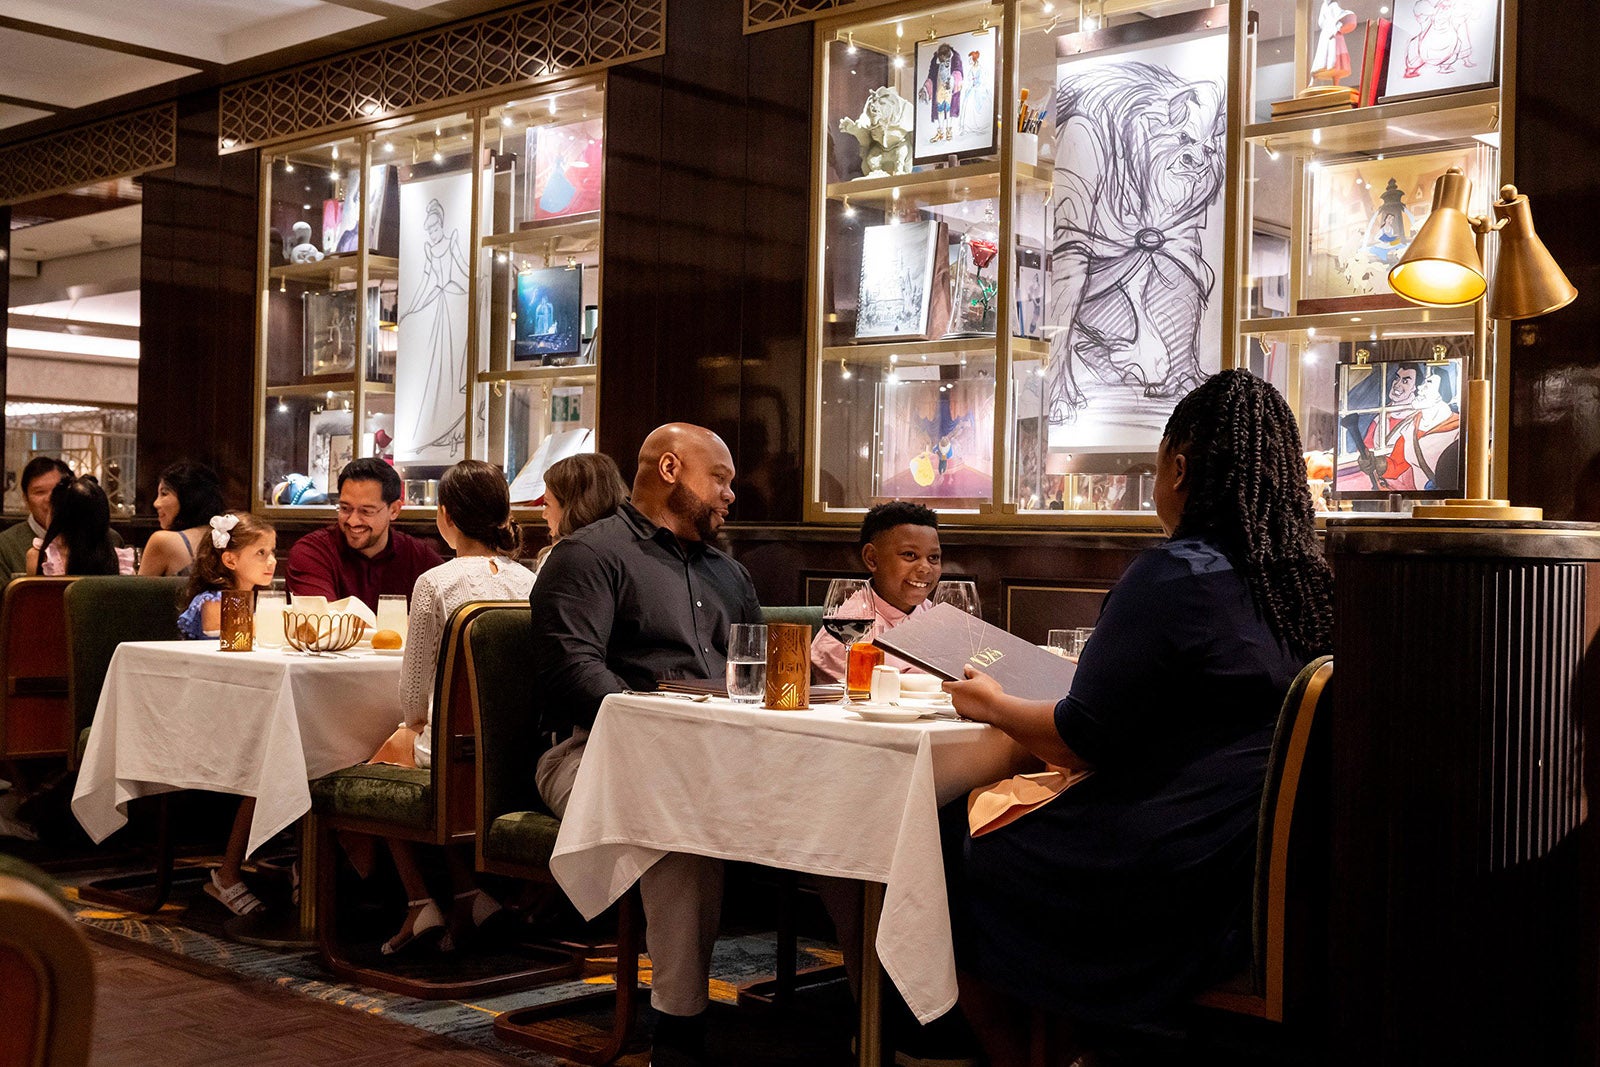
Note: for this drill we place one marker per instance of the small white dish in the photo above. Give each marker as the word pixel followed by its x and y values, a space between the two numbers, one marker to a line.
pixel 390 651
pixel 886 713
pixel 926 700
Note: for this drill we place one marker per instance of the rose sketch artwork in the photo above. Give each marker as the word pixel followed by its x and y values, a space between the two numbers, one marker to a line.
pixel 1135 233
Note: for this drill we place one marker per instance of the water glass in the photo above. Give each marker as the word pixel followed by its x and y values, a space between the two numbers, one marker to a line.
pixel 747 662
pixel 392 614
pixel 269 618
pixel 1060 642
pixel 958 594
pixel 1080 638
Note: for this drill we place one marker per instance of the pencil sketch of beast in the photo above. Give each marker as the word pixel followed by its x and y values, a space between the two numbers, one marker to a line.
pixel 884 133
pixel 1140 155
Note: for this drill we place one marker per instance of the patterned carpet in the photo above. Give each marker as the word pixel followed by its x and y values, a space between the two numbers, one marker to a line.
pixel 190 926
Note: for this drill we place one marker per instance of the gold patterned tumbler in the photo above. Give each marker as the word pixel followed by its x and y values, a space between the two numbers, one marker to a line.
pixel 238 620
pixel 788 666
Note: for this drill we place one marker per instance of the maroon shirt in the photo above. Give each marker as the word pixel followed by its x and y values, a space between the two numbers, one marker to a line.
pixel 322 564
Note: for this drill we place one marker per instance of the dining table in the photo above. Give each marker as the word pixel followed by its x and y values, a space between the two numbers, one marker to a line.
pixel 186 715
pixel 820 790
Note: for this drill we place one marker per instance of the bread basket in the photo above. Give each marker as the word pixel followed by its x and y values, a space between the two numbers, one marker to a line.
pixel 321 632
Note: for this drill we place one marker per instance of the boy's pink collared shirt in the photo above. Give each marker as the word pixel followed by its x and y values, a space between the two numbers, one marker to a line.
pixel 828 656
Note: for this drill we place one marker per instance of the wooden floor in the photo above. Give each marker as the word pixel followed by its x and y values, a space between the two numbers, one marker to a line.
pixel 152 1012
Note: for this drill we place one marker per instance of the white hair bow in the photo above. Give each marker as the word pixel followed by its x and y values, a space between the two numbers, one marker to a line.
pixel 221 527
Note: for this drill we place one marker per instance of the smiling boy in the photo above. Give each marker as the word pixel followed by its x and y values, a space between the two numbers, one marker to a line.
pixel 900 547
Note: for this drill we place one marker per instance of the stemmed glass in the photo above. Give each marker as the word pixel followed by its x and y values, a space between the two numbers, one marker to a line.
pixel 958 594
pixel 847 612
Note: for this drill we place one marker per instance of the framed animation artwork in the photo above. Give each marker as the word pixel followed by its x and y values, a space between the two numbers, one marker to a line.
pixel 1135 244
pixel 1399 419
pixel 955 100
pixel 1364 214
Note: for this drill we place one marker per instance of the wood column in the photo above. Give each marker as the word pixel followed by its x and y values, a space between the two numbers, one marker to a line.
pixel 1463 925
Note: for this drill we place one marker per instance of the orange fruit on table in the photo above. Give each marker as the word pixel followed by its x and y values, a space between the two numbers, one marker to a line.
pixel 387 639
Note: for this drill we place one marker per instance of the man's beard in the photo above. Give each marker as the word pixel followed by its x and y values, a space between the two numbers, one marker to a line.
pixel 696 512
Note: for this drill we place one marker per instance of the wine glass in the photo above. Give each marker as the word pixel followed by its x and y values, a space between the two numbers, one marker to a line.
pixel 958 594
pixel 847 613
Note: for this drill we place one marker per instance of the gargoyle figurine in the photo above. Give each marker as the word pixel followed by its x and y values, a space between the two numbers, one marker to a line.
pixel 884 131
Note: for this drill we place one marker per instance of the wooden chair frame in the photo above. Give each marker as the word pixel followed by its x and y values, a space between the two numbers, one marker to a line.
pixel 1271 929
pixel 40 940
pixel 453 770
pixel 541 1027
pixel 24 689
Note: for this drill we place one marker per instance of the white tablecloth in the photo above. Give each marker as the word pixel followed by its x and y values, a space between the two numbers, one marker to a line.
pixel 185 715
pixel 818 791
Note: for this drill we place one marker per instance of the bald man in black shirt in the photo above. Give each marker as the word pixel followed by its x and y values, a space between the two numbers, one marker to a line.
pixel 623 603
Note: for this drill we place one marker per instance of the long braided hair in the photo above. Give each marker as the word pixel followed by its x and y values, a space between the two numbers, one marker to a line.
pixel 1248 496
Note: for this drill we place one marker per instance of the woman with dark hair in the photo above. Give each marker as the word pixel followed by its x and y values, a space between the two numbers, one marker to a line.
pixel 475 521
pixel 579 490
pixel 187 496
pixel 78 539
pixel 1129 891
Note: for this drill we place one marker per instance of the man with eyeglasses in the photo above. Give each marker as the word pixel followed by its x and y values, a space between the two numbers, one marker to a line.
pixel 361 555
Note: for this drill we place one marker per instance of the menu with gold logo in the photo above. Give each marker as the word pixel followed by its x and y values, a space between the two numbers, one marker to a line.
pixel 944 641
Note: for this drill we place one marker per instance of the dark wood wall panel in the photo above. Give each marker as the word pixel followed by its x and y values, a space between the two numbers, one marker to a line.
pixel 197 309
pixel 706 219
pixel 1555 361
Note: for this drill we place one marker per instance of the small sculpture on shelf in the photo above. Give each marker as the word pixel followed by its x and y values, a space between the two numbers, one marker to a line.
pixel 884 133
pixel 301 250
pixel 1330 63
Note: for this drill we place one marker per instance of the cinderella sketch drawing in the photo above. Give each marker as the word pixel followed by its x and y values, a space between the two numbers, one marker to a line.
pixel 434 413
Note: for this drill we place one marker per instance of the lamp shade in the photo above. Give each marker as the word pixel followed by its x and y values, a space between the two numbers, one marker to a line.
pixel 1441 268
pixel 1527 280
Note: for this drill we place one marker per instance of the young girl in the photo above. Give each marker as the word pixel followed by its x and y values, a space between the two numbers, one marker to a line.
pixel 239 551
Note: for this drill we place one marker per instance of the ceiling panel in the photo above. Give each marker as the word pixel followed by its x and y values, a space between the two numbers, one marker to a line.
pixel 74 237
pixel 70 75
pixel 292 28
pixel 12 114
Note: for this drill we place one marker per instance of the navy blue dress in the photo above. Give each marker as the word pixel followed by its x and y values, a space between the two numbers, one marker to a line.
pixel 1132 890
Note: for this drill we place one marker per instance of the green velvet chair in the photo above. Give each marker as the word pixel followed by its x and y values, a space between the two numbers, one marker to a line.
pixel 808 614
pixel 517 833
pixel 102 611
pixel 427 807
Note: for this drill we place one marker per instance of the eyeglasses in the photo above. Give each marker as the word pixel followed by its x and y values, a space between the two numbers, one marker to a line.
pixel 366 511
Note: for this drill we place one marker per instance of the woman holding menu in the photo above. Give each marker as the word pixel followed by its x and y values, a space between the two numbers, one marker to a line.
pixel 1130 891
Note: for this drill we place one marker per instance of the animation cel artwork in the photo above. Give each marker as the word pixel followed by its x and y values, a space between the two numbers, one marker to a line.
pixel 431 362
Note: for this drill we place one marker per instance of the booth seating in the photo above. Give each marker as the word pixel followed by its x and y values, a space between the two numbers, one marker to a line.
pixel 35 715
pixel 46 974
pixel 517 833
pixel 102 611
pixel 431 806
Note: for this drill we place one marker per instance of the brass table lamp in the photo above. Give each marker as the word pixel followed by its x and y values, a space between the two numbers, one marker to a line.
pixel 1443 267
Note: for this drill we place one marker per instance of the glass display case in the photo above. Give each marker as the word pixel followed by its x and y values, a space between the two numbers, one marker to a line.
pixel 1356 108
pixel 1005 309
pixel 431 292
pixel 1036 226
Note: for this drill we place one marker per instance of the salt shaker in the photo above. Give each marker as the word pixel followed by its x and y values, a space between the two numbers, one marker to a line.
pixel 885 684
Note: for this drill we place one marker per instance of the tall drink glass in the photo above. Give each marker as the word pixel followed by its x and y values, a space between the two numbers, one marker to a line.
pixel 747 662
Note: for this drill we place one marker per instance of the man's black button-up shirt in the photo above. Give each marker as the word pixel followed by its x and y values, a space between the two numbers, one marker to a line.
pixel 623 603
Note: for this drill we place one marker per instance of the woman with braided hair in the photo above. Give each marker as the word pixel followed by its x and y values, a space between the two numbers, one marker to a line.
pixel 1130 890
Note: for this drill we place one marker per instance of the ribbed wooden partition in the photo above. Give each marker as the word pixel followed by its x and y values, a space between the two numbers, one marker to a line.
pixel 1464 887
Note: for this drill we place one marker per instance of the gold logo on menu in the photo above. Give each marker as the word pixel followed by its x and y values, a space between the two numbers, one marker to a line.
pixel 986 657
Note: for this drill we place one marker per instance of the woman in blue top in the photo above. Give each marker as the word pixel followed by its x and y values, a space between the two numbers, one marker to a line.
pixel 1130 891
